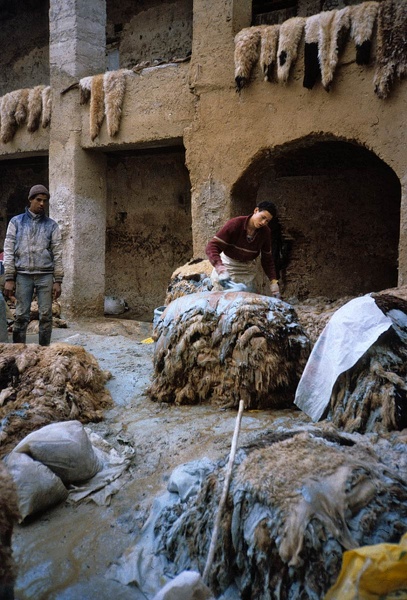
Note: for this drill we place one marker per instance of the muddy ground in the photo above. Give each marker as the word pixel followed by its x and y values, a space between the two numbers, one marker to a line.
pixel 65 553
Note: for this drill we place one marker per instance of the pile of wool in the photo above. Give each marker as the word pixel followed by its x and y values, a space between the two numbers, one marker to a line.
pixel 9 516
pixel 297 499
pixel 44 384
pixel 372 395
pixel 223 347
pixel 192 277
pixel 314 314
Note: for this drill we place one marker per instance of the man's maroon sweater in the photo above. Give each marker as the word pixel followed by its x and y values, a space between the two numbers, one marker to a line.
pixel 232 240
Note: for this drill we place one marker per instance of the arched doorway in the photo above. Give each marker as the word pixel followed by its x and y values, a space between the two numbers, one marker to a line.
pixel 339 206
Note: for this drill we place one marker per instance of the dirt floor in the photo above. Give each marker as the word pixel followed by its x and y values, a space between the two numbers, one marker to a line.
pixel 65 553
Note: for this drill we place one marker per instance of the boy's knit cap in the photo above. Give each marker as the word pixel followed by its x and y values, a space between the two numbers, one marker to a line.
pixel 38 189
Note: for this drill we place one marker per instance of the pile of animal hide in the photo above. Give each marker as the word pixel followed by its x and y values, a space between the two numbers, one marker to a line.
pixel 44 384
pixel 106 94
pixel 223 347
pixel 372 395
pixel 298 498
pixel 31 106
pixel 275 47
pixel 314 314
pixel 9 516
pixel 192 277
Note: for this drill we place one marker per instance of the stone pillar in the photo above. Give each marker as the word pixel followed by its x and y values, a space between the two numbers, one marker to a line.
pixel 215 25
pixel 77 177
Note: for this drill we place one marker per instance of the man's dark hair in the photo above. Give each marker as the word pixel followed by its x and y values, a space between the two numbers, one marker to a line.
pixel 269 207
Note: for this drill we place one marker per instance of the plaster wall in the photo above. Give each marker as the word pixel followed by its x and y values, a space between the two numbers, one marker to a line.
pixel 148 226
pixel 24 35
pixel 157 108
pixel 148 30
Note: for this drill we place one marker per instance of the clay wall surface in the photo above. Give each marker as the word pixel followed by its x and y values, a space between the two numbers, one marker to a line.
pixel 148 226
pixel 24 60
pixel 148 30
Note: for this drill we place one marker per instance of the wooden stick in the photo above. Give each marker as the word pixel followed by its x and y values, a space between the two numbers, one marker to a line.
pixel 222 501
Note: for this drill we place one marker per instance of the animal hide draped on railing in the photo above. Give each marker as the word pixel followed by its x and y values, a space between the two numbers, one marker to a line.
pixel 325 36
pixel 391 53
pixel 31 106
pixel 290 36
pixel 106 94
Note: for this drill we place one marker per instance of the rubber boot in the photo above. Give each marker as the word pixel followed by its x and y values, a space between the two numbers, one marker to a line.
pixel 19 337
pixel 44 338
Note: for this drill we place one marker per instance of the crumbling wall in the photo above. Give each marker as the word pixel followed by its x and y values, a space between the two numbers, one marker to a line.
pixel 148 227
pixel 148 30
pixel 24 60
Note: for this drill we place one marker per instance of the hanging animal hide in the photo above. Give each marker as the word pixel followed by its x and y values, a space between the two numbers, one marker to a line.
pixel 46 102
pixel 333 27
pixel 289 38
pixel 9 125
pixel 114 86
pixel 246 55
pixel 22 106
pixel 391 52
pixel 312 70
pixel 268 49
pixel 85 86
pixel 363 18
pixel 34 108
pixel 97 106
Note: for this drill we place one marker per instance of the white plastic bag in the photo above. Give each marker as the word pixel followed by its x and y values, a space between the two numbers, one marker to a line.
pixel 38 488
pixel 347 336
pixel 65 448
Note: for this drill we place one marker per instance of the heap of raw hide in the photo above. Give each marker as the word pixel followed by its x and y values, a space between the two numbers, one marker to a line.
pixel 372 395
pixel 314 314
pixel 223 347
pixel 192 277
pixel 298 498
pixel 31 106
pixel 9 516
pixel 44 384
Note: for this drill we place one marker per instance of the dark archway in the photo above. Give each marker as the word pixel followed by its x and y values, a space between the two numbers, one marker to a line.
pixel 339 206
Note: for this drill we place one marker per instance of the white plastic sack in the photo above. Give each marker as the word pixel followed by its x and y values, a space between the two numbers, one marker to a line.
pixel 38 488
pixel 188 585
pixel 114 305
pixel 347 336
pixel 65 448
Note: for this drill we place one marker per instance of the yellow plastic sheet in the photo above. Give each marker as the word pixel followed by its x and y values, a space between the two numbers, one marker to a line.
pixel 147 341
pixel 372 573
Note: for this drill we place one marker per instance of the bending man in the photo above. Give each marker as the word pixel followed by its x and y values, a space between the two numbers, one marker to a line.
pixel 234 248
pixel 33 261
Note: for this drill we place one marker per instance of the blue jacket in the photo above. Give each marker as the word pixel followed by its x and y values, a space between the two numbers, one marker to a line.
pixel 33 245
